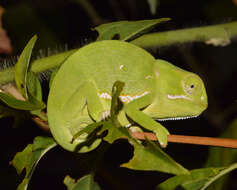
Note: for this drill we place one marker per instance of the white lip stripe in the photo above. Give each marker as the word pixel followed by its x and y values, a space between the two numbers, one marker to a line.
pixel 177 118
pixel 178 97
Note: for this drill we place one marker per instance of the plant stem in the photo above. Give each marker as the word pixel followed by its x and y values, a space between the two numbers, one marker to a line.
pixel 38 66
pixel 223 172
pixel 217 35
pixel 208 141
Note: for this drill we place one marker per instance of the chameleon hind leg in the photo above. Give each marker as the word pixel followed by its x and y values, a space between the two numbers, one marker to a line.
pixel 94 105
pixel 133 111
pixel 83 108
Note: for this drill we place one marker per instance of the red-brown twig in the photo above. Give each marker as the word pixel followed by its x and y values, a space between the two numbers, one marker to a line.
pixel 208 141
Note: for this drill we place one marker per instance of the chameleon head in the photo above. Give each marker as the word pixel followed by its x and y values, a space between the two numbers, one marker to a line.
pixel 181 94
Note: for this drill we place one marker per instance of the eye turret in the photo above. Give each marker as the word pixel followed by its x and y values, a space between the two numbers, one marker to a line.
pixel 192 85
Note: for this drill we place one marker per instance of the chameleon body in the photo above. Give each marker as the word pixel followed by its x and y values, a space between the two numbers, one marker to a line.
pixel 154 89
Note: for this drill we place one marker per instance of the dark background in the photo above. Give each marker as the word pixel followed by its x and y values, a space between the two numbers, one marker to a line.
pixel 62 24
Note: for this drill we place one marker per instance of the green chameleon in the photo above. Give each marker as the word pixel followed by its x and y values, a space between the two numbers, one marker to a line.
pixel 154 90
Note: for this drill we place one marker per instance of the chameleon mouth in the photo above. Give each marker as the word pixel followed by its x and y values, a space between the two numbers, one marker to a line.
pixel 177 118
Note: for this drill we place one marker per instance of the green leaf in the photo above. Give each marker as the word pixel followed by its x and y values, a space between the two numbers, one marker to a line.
pixel 151 158
pixel 115 133
pixel 114 128
pixel 22 65
pixel 199 179
pixel 5 111
pixel 33 98
pixel 52 77
pixel 12 102
pixel 85 183
pixel 19 116
pixel 116 104
pixel 30 156
pixel 126 30
pixel 88 130
pixel 21 159
pixel 34 86
pixel 218 156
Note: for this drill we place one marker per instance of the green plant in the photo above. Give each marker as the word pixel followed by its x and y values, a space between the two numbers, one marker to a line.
pixel 147 155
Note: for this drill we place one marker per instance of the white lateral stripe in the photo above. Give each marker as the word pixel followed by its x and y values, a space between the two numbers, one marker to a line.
pixel 178 97
pixel 148 77
pixel 123 98
pixel 105 95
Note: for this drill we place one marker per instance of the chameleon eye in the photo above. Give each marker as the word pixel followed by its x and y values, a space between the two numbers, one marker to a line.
pixel 191 85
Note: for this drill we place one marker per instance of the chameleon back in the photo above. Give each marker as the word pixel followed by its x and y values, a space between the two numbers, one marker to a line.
pixel 107 61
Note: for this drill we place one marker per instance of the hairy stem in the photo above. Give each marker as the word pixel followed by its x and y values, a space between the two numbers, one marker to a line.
pixel 183 139
pixel 207 141
pixel 218 35
pixel 38 66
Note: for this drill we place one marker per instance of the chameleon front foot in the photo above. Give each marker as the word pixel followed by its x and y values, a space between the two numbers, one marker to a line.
pixel 162 136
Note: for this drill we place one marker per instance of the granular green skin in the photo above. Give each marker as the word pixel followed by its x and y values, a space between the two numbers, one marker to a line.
pixel 81 91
